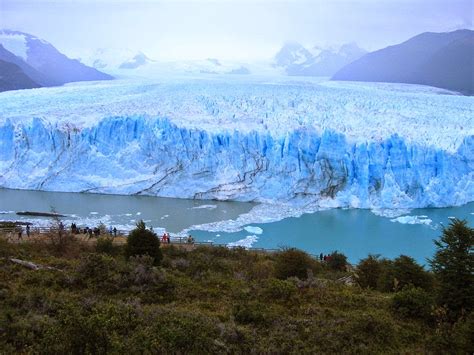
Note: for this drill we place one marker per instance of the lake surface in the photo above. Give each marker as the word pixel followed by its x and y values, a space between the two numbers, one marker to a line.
pixel 356 233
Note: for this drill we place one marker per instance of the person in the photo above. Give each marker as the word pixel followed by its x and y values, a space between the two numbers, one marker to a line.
pixel 110 230
pixel 61 226
pixel 28 230
pixel 115 231
pixel 168 238
pixel 325 258
pixel 321 257
pixel 20 231
pixel 90 232
pixel 190 239
pixel 163 238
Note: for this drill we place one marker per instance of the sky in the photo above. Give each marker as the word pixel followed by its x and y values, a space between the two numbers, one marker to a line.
pixel 228 29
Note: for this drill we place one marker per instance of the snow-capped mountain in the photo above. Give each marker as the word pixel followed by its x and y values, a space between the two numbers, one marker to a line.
pixel 332 144
pixel 297 60
pixel 292 53
pixel 56 68
pixel 138 60
pixel 39 78
pixel 113 59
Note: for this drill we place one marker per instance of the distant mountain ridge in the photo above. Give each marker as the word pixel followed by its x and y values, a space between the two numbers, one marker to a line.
pixel 295 59
pixel 444 60
pixel 42 62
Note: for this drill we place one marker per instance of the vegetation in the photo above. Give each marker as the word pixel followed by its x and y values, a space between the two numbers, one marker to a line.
pixel 453 265
pixel 104 298
pixel 142 241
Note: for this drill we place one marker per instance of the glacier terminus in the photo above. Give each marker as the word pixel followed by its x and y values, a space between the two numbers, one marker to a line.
pixel 291 141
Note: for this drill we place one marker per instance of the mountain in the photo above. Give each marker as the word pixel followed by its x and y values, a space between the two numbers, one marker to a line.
pixel 292 53
pixel 444 60
pixel 55 67
pixel 138 60
pixel 297 60
pixel 27 69
pixel 12 77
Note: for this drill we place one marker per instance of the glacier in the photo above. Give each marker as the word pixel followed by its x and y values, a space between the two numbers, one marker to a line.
pixel 294 142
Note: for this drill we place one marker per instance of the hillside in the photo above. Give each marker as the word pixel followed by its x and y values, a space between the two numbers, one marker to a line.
pixel 444 60
pixel 92 300
pixel 12 77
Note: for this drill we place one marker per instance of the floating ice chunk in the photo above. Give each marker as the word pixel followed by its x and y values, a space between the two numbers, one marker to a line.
pixel 246 243
pixel 390 213
pixel 139 213
pixel 6 212
pixel 451 217
pixel 254 230
pixel 207 207
pixel 412 220
pixel 128 214
pixel 94 213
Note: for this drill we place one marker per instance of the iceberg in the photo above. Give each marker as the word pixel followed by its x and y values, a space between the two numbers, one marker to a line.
pixel 298 143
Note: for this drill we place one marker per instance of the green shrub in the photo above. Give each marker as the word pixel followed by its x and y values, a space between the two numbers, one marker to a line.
pixel 413 302
pixel 105 246
pixel 401 272
pixel 337 261
pixel 142 241
pixel 293 263
pixel 369 271
pixel 99 272
pixel 249 313
pixel 408 272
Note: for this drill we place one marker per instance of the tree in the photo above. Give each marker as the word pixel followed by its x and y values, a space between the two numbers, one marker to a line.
pixel 142 241
pixel 409 273
pixel 369 271
pixel 453 265
pixel 337 261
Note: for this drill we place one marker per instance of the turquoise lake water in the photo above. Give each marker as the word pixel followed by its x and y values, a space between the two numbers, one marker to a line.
pixel 356 233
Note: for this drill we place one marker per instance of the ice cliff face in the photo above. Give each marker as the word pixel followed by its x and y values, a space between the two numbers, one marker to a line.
pixel 166 156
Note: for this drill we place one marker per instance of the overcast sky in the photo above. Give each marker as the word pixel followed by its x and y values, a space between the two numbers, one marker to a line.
pixel 228 29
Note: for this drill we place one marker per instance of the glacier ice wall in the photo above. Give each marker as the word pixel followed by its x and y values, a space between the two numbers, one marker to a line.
pixel 154 156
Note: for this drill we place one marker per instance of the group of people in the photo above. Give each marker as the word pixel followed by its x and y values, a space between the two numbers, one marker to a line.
pixel 166 238
pixel 92 232
pixel 20 231
pixel 326 258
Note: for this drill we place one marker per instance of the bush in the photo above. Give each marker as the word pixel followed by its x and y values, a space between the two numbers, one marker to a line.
pixel 142 241
pixel 408 272
pixel 413 302
pixel 105 246
pixel 369 271
pixel 403 271
pixel 249 313
pixel 337 261
pixel 293 263
pixel 98 271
